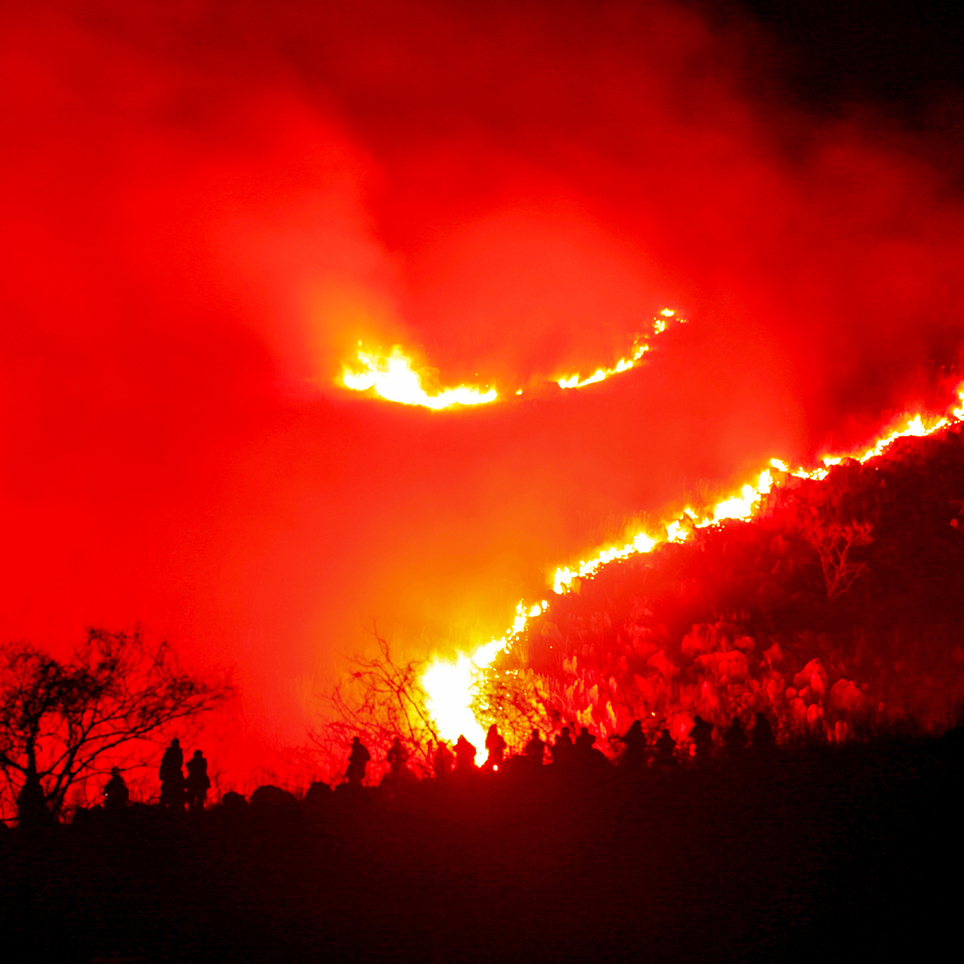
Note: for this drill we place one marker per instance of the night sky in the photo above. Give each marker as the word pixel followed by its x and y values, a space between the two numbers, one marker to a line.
pixel 206 205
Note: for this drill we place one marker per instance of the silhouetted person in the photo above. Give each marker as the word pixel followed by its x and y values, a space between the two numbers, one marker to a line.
pixel 396 758
pixel 666 750
pixel 464 756
pixel 115 792
pixel 198 783
pixel 763 741
pixel 562 749
pixel 358 761
pixel 702 737
pixel 535 749
pixel 495 748
pixel 172 777
pixel 585 755
pixel 442 761
pixel 634 756
pixel 735 740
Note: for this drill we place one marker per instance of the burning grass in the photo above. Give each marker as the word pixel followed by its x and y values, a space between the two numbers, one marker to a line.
pixel 837 610
pixel 834 605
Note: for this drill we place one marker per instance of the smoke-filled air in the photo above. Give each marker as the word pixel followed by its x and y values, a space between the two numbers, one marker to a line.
pixel 331 322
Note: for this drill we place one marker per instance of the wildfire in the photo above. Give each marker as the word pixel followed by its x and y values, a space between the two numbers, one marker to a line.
pixel 740 506
pixel 450 685
pixel 747 502
pixel 624 364
pixel 393 378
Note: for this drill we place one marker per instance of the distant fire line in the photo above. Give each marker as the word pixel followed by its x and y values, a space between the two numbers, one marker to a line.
pixel 393 377
pixel 450 685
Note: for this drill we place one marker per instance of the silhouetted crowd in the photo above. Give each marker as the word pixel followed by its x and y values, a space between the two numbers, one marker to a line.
pixel 567 753
pixel 578 753
pixel 177 789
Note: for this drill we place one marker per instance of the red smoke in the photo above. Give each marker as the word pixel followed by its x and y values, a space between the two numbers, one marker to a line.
pixel 206 205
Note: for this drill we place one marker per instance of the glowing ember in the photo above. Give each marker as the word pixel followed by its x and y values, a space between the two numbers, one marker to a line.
pixel 394 379
pixel 450 685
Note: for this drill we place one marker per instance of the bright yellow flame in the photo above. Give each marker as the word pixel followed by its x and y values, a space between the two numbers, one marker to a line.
pixel 394 379
pixel 563 577
pixel 449 686
pixel 600 374
pixel 747 502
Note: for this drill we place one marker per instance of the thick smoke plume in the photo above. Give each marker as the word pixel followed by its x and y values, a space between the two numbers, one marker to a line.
pixel 207 205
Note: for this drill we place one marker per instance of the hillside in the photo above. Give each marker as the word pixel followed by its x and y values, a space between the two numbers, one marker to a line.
pixel 838 611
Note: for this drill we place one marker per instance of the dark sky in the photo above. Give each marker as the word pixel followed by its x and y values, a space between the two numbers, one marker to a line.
pixel 205 205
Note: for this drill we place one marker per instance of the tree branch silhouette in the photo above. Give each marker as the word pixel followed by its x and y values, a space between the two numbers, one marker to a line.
pixel 64 722
pixel 379 700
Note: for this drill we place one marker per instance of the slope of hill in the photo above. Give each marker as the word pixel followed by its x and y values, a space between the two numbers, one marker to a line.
pixel 838 611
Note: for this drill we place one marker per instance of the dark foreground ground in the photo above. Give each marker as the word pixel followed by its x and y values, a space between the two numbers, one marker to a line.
pixel 821 854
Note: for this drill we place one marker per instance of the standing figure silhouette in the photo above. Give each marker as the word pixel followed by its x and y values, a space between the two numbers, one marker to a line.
pixel 396 758
pixel 357 763
pixel 495 747
pixel 172 777
pixel 464 756
pixel 666 750
pixel 535 749
pixel 197 782
pixel 115 791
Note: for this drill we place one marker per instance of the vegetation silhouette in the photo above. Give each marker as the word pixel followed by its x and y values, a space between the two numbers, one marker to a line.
pixel 379 701
pixel 62 723
pixel 558 862
pixel 725 832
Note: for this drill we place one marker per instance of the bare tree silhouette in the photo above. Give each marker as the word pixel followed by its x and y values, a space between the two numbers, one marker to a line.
pixel 64 722
pixel 833 542
pixel 378 701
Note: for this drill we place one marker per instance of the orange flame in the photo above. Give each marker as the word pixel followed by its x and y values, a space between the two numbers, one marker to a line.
pixel 393 378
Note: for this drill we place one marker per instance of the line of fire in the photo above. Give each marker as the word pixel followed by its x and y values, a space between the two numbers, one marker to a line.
pixel 393 378
pixel 800 599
